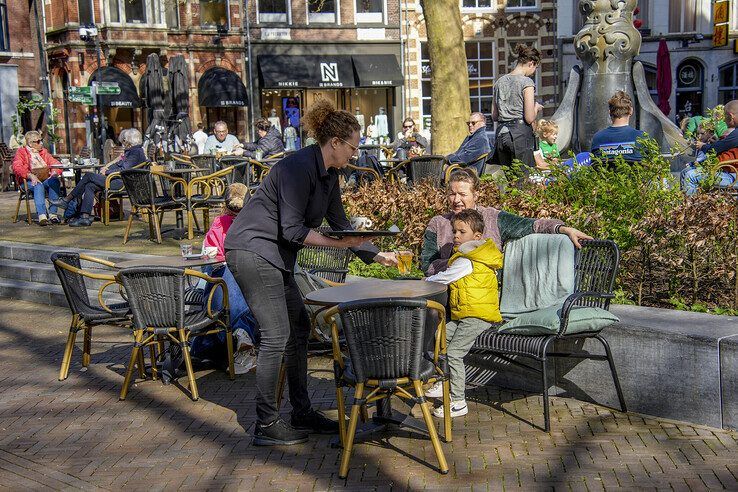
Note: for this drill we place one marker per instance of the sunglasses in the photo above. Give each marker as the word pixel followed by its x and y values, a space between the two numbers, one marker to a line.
pixel 472 122
pixel 407 126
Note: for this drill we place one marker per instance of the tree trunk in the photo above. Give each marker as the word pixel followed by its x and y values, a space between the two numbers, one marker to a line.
pixel 449 79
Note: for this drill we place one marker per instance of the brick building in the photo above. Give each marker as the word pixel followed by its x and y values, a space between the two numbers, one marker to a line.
pixel 19 61
pixel 492 30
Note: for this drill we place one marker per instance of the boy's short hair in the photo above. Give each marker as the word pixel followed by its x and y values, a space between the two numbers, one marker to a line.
pixel 472 218
pixel 620 105
pixel 546 127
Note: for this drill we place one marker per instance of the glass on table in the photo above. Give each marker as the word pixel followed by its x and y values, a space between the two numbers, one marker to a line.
pixel 404 261
pixel 186 249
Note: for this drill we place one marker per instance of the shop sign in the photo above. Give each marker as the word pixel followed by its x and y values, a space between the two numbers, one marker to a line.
pixel 287 83
pixel 276 34
pixel 426 122
pixel 381 82
pixel 370 34
pixel 425 69
pixel 720 16
pixel 687 75
pixel 121 104
pixel 329 75
pixel 232 102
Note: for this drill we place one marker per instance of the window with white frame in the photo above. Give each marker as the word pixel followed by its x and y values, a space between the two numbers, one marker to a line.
pixel 370 11
pixel 4 35
pixel 84 9
pixel 521 5
pixel 214 13
pixel 683 15
pixel 480 59
pixel 728 85
pixel 321 11
pixel 273 11
pixel 476 4
pixel 146 12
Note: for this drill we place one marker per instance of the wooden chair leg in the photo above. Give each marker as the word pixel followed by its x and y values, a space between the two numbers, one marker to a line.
pixel 17 210
pixel 447 410
pixel 86 347
pixel 141 365
pixel 128 228
pixel 157 227
pixel 28 211
pixel 138 336
pixel 341 416
pixel 69 349
pixel 152 358
pixel 229 347
pixel 188 365
pixel 190 218
pixel 442 465
pixel 364 414
pixel 348 445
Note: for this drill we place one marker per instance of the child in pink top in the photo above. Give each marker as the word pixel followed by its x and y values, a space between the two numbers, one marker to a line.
pixel 217 232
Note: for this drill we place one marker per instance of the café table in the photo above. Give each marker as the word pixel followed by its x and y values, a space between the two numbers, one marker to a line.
pixel 168 261
pixel 380 289
pixel 77 169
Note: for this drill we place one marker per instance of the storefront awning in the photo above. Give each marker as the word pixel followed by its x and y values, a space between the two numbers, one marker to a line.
pixel 377 71
pixel 312 71
pixel 128 97
pixel 219 88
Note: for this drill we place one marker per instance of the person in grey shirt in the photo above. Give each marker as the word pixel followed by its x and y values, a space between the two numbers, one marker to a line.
pixel 222 142
pixel 515 109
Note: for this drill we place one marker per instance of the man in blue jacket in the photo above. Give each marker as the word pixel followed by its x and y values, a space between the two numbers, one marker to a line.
pixel 473 146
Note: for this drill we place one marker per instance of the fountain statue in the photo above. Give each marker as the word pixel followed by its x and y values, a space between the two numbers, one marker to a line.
pixel 606 47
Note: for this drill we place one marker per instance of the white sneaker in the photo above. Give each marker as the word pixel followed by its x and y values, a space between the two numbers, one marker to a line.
pixel 42 220
pixel 244 361
pixel 458 409
pixel 243 340
pixel 435 391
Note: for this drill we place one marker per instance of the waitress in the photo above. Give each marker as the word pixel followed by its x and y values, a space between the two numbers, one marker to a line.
pixel 261 249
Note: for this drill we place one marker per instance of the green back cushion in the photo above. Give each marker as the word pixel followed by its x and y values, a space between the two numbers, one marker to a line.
pixel 546 321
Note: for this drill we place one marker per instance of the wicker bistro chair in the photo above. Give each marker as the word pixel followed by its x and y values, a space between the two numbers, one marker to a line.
pixel 384 338
pixel 595 268
pixel 158 302
pixel 205 192
pixel 453 167
pixel 325 262
pixel 425 167
pixel 142 193
pixel 111 193
pixel 730 166
pixel 205 161
pixel 25 194
pixel 85 313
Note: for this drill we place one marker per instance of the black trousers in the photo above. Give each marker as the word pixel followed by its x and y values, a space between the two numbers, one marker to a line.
pixel 517 143
pixel 90 184
pixel 284 324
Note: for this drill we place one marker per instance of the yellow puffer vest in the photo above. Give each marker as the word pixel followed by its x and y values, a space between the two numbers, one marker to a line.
pixel 476 295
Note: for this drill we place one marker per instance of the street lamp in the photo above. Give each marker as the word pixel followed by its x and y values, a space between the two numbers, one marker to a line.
pixel 89 33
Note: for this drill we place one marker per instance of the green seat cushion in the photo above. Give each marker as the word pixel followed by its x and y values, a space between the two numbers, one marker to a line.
pixel 546 321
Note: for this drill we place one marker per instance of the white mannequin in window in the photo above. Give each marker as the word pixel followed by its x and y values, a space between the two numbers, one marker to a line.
pixel 371 132
pixel 290 135
pixel 380 121
pixel 360 119
pixel 274 120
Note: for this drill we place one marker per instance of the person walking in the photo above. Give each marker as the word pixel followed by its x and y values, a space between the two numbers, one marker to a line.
pixel 261 251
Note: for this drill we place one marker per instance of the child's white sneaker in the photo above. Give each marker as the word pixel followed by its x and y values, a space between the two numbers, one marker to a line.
pixel 243 340
pixel 458 409
pixel 435 391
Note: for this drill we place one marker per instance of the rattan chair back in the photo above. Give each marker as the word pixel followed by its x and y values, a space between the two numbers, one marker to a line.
pixel 426 168
pixel 595 268
pixel 73 284
pixel 325 262
pixel 140 186
pixel 206 161
pixel 156 296
pixel 384 338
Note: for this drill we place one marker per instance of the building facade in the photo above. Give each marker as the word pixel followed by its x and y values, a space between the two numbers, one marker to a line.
pixel 702 76
pixel 492 29
pixel 20 72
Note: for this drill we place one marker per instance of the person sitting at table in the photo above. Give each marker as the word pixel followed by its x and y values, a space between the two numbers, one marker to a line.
pixel 262 245
pixel 409 141
pixel 500 226
pixel 243 324
pixel 269 141
pixel 32 165
pixel 474 145
pixel 93 182
pixel 221 142
pixel 473 300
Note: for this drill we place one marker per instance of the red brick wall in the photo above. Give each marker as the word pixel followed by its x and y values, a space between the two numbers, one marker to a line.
pixel 23 39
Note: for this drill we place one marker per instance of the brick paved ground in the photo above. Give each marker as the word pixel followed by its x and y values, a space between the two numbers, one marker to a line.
pixel 77 435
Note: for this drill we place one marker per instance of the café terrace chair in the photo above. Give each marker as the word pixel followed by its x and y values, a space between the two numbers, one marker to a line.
pixel 205 161
pixel 385 359
pixel 325 261
pixel 25 195
pixel 86 314
pixel 145 199
pixel 417 169
pixel 453 167
pixel 157 296
pixel 204 193
pixel 110 194
pixel 730 166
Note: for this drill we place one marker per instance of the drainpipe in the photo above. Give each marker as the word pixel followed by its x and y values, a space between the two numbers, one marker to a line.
pixel 403 96
pixel 46 84
pixel 249 69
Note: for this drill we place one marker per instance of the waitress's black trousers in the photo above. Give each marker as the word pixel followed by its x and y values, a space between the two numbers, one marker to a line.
pixel 275 302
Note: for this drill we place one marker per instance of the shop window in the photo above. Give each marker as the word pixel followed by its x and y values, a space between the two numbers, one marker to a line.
pixel 214 13
pixel 644 14
pixel 4 37
pixel 728 88
pixel 683 15
pixel 480 59
pixel 476 4
pixel 370 11
pixel 521 5
pixel 171 13
pixel 84 7
pixel 273 11
pixel 321 11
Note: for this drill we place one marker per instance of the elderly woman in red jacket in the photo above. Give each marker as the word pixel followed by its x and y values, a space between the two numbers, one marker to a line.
pixel 32 165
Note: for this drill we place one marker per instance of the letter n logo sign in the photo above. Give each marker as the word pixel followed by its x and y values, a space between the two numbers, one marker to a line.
pixel 329 72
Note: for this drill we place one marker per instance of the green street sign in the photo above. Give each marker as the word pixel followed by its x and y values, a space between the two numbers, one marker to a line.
pixel 106 88
pixel 79 91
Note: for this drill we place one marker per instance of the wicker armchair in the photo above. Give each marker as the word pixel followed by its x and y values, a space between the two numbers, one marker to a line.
pixel 385 359
pixel 85 313
pixel 25 194
pixel 205 161
pixel 425 167
pixel 114 193
pixel 595 269
pixel 325 262
pixel 158 302
pixel 204 192
pixel 144 198
pixel 730 166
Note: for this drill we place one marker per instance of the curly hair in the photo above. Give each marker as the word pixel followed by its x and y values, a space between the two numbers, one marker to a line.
pixel 546 127
pixel 527 54
pixel 465 175
pixel 262 124
pixel 324 122
pixel 620 105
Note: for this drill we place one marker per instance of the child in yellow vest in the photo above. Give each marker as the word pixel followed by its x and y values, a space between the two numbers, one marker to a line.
pixel 473 299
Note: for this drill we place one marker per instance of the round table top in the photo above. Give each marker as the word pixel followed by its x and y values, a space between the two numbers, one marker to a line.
pixel 185 170
pixel 167 261
pixel 375 289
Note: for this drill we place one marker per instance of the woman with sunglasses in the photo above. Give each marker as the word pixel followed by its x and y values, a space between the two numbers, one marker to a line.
pixel 261 250
pixel 32 165
pixel 408 139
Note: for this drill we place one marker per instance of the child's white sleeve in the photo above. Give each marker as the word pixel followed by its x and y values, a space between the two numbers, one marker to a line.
pixel 459 269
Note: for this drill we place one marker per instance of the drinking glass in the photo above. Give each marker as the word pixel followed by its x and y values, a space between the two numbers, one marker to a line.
pixel 186 249
pixel 404 261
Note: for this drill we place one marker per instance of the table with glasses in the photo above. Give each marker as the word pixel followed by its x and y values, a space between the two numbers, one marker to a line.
pixel 168 261
pixel 380 289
